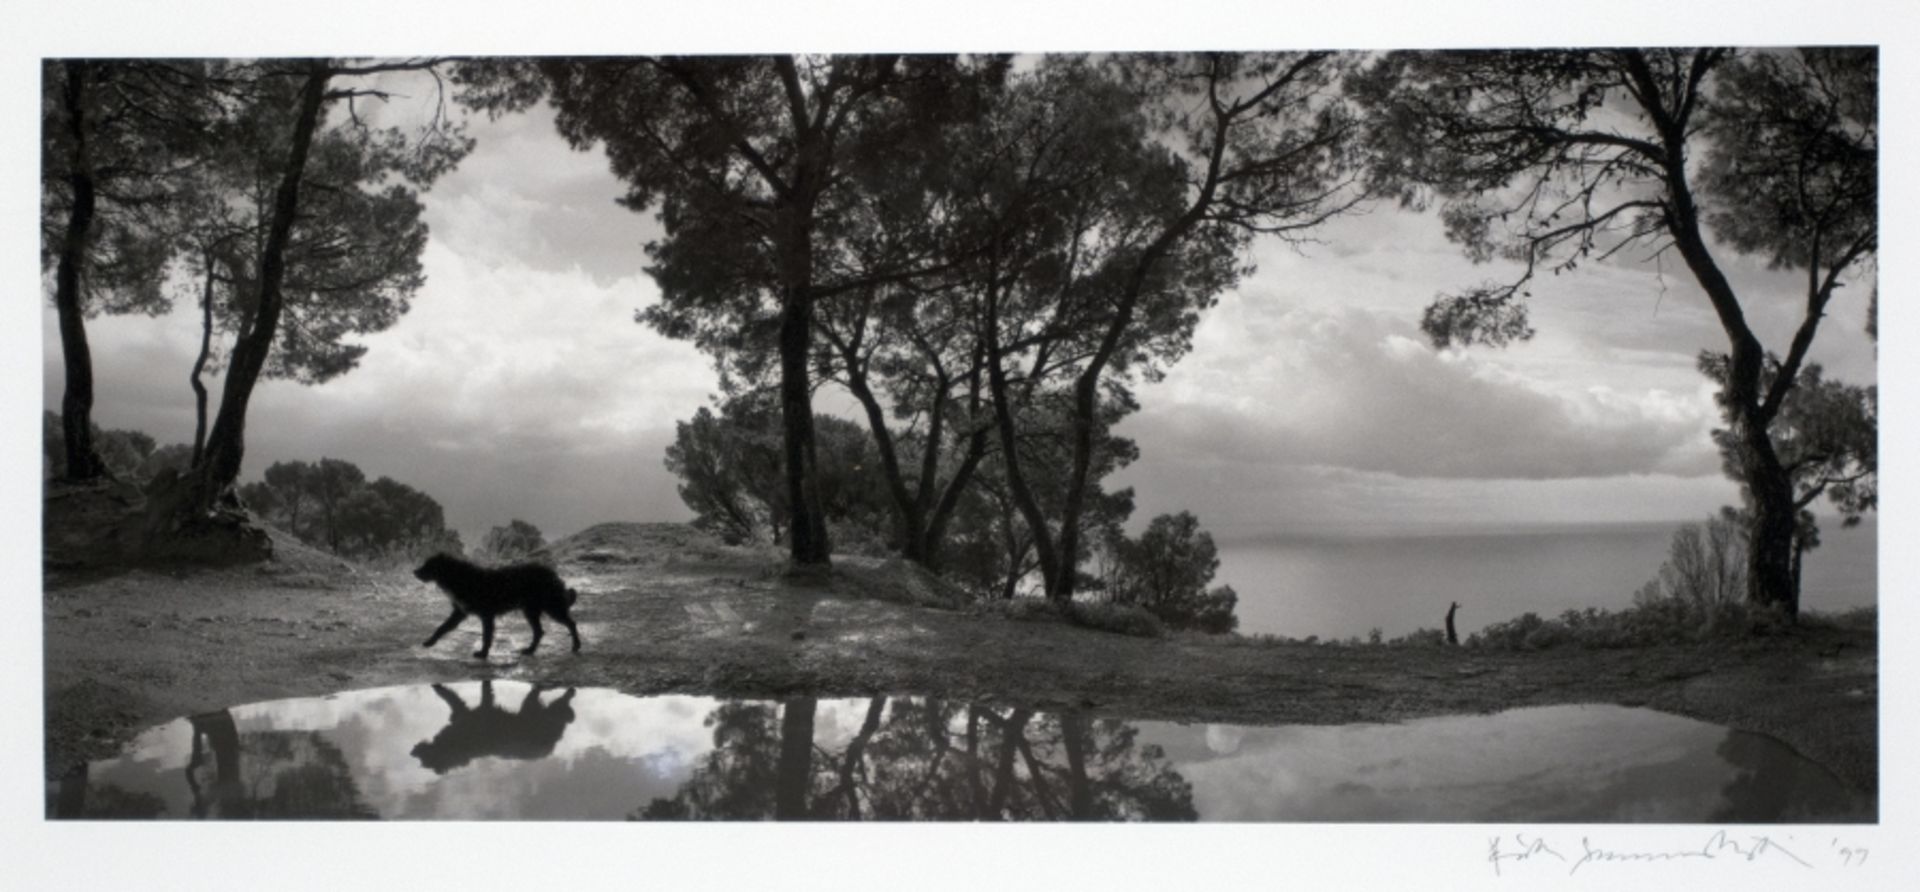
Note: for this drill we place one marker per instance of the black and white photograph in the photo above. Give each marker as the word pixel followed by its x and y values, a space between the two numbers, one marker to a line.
pixel 1419 457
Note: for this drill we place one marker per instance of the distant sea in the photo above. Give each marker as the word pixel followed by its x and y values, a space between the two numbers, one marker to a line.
pixel 1342 585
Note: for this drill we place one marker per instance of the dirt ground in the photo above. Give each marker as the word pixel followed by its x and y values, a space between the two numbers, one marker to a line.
pixel 665 609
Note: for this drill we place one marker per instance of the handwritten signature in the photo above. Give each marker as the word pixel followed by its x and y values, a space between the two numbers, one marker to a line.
pixel 1521 847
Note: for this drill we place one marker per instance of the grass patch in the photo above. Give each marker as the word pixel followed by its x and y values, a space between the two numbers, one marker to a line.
pixel 1649 623
pixel 1120 619
pixel 895 580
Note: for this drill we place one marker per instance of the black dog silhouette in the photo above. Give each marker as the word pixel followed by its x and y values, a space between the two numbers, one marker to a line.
pixel 491 591
pixel 488 730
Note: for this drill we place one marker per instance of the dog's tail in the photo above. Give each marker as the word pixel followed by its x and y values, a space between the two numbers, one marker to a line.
pixel 572 596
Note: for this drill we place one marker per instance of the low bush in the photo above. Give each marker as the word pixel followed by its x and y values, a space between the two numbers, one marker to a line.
pixel 1649 622
pixel 1123 619
pixel 1420 638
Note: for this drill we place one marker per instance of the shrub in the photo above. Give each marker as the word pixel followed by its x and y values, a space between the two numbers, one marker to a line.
pixel 1657 621
pixel 518 540
pixel 1420 638
pixel 1705 564
pixel 1166 571
pixel 1124 619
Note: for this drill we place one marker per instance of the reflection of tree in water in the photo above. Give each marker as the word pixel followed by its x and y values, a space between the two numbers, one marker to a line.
pixel 269 774
pixel 927 760
pixel 77 798
pixel 1773 783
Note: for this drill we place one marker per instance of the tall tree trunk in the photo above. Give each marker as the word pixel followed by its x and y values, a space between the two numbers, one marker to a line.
pixel 1086 388
pixel 200 364
pixel 949 503
pixel 76 405
pixel 809 545
pixel 219 467
pixel 920 520
pixel 1023 498
pixel 1771 548
pixel 794 773
pixel 1769 486
pixel 909 512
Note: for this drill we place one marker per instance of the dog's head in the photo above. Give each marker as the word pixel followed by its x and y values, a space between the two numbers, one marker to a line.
pixel 434 569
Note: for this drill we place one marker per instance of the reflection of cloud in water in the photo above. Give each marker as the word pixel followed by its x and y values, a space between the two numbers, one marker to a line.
pixel 619 753
pixel 618 743
pixel 621 750
pixel 1225 740
pixel 1549 763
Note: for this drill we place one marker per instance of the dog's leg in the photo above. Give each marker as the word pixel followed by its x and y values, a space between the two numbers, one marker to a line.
pixel 486 636
pixel 533 619
pixel 566 617
pixel 445 627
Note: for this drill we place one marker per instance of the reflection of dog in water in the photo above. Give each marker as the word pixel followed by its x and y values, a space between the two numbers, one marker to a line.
pixel 488 730
pixel 491 591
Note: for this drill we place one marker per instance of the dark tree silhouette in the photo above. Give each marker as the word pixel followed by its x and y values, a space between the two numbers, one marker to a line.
pixel 732 474
pixel 1550 158
pixel 330 504
pixel 1240 144
pixel 751 161
pixel 1826 438
pixel 118 141
pixel 1167 570
pixel 294 97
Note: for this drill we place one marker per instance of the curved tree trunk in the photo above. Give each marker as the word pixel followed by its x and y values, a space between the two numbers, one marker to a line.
pixel 200 365
pixel 920 515
pixel 213 478
pixel 1052 565
pixel 76 405
pixel 1770 539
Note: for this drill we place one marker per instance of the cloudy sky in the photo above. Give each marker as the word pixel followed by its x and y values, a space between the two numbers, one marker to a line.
pixel 519 385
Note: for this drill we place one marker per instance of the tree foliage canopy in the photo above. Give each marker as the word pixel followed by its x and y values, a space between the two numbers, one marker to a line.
pixel 1551 158
pixel 518 539
pixel 732 477
pixel 330 504
pixel 1167 571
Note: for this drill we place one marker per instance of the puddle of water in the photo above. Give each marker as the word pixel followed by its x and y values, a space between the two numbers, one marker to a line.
pixel 509 750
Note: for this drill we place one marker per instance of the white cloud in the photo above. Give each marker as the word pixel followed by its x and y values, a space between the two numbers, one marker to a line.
pixel 504 392
pixel 1358 389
